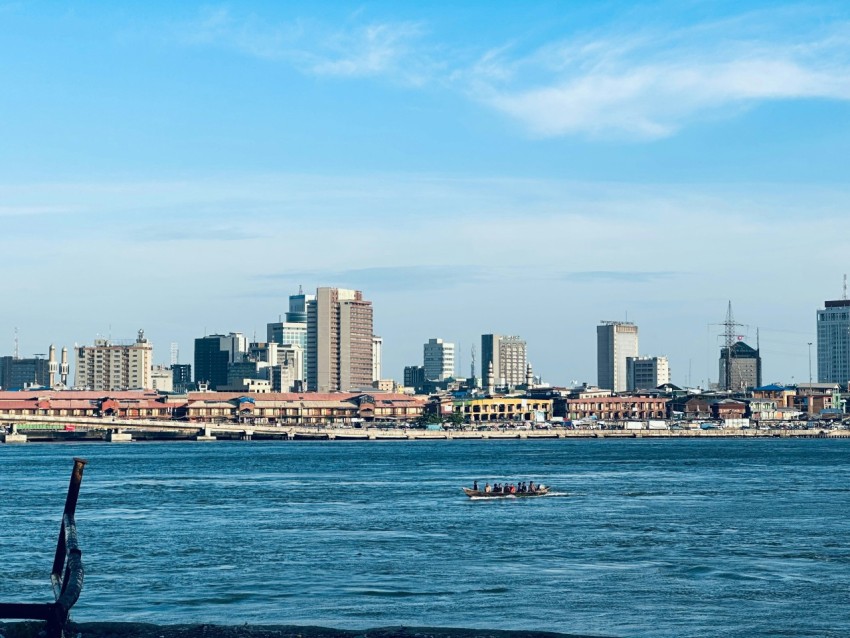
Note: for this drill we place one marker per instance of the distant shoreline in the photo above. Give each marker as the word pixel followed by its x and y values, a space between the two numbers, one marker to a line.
pixel 128 432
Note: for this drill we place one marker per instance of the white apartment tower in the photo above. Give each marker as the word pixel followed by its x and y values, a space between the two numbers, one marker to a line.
pixel 615 342
pixel 439 360
pixel 339 341
pixel 504 360
pixel 108 366
pixel 646 373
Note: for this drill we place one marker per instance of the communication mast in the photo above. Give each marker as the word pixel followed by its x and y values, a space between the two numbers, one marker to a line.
pixel 730 336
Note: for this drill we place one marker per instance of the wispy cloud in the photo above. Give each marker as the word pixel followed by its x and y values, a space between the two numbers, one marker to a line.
pixel 648 85
pixel 378 48
pixel 619 276
pixel 637 83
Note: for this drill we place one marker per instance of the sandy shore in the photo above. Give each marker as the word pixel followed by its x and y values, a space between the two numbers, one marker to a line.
pixel 141 630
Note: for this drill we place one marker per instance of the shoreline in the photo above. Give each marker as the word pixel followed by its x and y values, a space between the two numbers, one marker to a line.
pixel 242 432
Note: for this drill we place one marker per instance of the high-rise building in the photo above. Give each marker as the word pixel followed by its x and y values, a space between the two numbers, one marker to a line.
pixel 834 342
pixel 414 377
pixel 287 374
pixel 115 366
pixel 298 307
pixel 214 353
pixel 19 373
pixel 615 341
pixel 339 341
pixel 646 373
pixel 504 360
pixel 439 360
pixel 181 377
pixel 293 331
pixel 744 367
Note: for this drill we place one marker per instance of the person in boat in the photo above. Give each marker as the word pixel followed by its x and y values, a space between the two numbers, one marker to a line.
pixel 475 485
pixel 487 488
pixel 531 486
pixel 513 488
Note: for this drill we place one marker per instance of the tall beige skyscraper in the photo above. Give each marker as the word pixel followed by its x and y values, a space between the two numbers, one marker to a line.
pixel 109 366
pixel 504 360
pixel 615 341
pixel 339 341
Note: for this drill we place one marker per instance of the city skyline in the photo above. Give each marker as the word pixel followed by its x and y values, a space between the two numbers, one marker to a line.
pixel 553 166
pixel 161 359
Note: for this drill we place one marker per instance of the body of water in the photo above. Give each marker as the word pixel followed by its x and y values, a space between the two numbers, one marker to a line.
pixel 641 538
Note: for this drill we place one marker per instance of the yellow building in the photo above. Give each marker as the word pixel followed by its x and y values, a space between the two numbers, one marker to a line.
pixel 504 409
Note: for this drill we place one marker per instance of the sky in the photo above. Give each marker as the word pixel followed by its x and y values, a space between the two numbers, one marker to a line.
pixel 527 168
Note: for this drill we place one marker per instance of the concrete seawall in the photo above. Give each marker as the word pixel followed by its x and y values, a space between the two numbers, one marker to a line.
pixel 40 428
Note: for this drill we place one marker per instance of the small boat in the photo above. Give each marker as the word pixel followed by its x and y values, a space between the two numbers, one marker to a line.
pixel 471 493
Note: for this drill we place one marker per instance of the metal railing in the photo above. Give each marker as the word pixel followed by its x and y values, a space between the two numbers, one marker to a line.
pixel 67 573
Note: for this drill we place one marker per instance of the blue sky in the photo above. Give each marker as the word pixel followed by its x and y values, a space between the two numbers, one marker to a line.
pixel 519 168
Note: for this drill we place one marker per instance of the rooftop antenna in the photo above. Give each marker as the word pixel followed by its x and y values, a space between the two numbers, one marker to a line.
pixel 844 293
pixel 17 352
pixel 472 365
pixel 300 289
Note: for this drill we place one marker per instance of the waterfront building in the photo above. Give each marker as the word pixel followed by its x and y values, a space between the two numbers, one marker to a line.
pixel 762 409
pixel 19 373
pixel 181 377
pixel 503 361
pixel 289 408
pixel 439 360
pixel 488 409
pixel 646 373
pixel 728 409
pixel 740 367
pixel 833 347
pixel 214 353
pixel 140 404
pixel 339 341
pixel 111 365
pixel 615 342
pixel 616 408
pixel 377 354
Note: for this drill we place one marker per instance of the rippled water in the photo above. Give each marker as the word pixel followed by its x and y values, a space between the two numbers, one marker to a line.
pixel 650 538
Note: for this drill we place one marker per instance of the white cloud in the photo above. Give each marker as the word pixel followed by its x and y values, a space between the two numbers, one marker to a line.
pixel 649 85
pixel 360 50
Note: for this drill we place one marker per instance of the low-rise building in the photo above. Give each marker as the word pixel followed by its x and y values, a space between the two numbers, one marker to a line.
pixel 617 408
pixel 484 409
pixel 728 409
